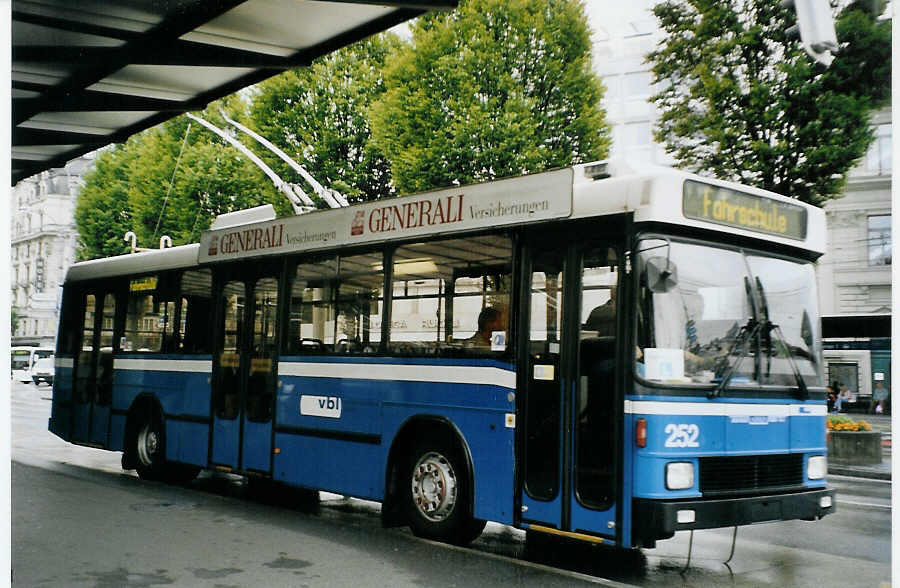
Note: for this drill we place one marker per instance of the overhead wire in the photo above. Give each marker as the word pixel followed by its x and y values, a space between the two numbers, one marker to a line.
pixel 172 180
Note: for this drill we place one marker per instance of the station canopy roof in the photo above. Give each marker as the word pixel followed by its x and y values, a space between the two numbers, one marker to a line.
pixel 89 73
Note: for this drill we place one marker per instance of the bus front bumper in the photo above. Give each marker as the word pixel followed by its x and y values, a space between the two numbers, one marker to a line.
pixel 657 519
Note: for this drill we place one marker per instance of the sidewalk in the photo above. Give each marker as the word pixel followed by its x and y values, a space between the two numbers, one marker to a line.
pixel 880 471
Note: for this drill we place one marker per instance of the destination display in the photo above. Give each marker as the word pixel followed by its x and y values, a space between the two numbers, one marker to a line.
pixel 142 284
pixel 723 206
pixel 503 202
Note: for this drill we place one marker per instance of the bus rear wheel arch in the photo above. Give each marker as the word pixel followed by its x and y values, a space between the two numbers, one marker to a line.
pixel 145 445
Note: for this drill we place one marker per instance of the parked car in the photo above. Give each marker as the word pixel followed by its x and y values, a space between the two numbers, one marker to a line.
pixel 43 370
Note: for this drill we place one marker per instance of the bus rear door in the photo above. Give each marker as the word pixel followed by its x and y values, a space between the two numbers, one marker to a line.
pixel 93 374
pixel 571 425
pixel 245 375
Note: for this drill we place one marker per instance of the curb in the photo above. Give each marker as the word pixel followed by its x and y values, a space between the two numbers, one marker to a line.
pixel 839 470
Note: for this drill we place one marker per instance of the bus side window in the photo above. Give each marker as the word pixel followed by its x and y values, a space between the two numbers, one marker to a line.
pixel 150 316
pixel 359 303
pixel 311 318
pixel 452 296
pixel 194 334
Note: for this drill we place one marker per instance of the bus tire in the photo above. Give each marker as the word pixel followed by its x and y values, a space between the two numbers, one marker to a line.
pixel 438 494
pixel 149 451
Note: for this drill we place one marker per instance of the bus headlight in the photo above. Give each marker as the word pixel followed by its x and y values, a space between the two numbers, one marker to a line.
pixel 679 475
pixel 816 467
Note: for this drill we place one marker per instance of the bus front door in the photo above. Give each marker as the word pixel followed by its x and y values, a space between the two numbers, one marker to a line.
pixel 571 422
pixel 245 368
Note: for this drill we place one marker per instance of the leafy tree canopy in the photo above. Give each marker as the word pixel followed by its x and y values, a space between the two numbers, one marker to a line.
pixel 171 180
pixel 741 101
pixel 319 117
pixel 495 88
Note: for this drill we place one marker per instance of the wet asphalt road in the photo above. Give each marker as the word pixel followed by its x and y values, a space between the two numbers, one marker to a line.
pixel 79 520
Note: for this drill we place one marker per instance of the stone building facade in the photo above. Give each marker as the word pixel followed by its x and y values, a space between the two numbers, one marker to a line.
pixel 855 272
pixel 43 243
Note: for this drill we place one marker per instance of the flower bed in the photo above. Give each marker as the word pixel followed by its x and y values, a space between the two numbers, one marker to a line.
pixel 852 442
pixel 845 423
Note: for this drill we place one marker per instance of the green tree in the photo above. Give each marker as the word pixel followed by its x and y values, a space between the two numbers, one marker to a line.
pixel 102 212
pixel 170 180
pixel 741 101
pixel 319 116
pixel 495 88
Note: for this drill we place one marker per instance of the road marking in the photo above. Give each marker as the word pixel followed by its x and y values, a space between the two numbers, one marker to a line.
pixel 857 478
pixel 527 564
pixel 868 504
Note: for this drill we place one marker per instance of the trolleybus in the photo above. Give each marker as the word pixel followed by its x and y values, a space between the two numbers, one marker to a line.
pixel 599 352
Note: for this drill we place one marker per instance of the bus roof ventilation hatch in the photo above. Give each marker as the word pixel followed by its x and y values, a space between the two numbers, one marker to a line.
pixel 597 171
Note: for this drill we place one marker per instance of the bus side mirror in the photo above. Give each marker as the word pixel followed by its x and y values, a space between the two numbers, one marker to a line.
pixel 662 275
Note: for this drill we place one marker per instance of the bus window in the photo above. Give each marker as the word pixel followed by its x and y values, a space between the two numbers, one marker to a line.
pixel 259 389
pixel 542 405
pixel 150 319
pixel 451 296
pixel 195 336
pixel 103 390
pixel 311 324
pixel 86 353
pixel 359 303
pixel 67 335
pixel 227 395
pixel 595 431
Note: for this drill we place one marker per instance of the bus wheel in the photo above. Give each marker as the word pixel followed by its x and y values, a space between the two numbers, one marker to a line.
pixel 149 450
pixel 439 495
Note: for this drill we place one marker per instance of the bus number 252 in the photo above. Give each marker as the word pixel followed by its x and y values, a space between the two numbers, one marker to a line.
pixel 682 435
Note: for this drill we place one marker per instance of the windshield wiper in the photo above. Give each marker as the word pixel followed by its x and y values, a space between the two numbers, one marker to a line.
pixel 768 328
pixel 741 340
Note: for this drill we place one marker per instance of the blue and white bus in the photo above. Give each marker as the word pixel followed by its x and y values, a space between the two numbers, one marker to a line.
pixel 597 352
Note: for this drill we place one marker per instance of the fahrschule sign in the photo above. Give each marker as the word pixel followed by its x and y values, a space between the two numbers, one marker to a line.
pixel 503 202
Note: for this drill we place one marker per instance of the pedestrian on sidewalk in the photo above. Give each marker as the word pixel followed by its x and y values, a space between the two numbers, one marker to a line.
pixel 845 397
pixel 879 396
pixel 838 397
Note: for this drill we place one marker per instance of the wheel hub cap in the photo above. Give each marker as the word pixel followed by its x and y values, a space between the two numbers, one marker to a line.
pixel 434 487
pixel 148 443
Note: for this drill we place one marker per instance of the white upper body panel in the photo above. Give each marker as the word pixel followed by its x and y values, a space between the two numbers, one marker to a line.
pixel 651 194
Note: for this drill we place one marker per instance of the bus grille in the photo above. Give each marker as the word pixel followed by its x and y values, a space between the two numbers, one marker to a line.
pixel 750 474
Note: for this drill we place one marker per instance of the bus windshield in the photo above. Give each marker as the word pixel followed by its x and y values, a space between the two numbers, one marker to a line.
pixel 21 359
pixel 708 314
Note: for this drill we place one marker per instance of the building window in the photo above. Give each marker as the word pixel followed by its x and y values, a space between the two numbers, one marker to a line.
pixel 878 159
pixel 637 85
pixel 636 135
pixel 879 294
pixel 879 240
